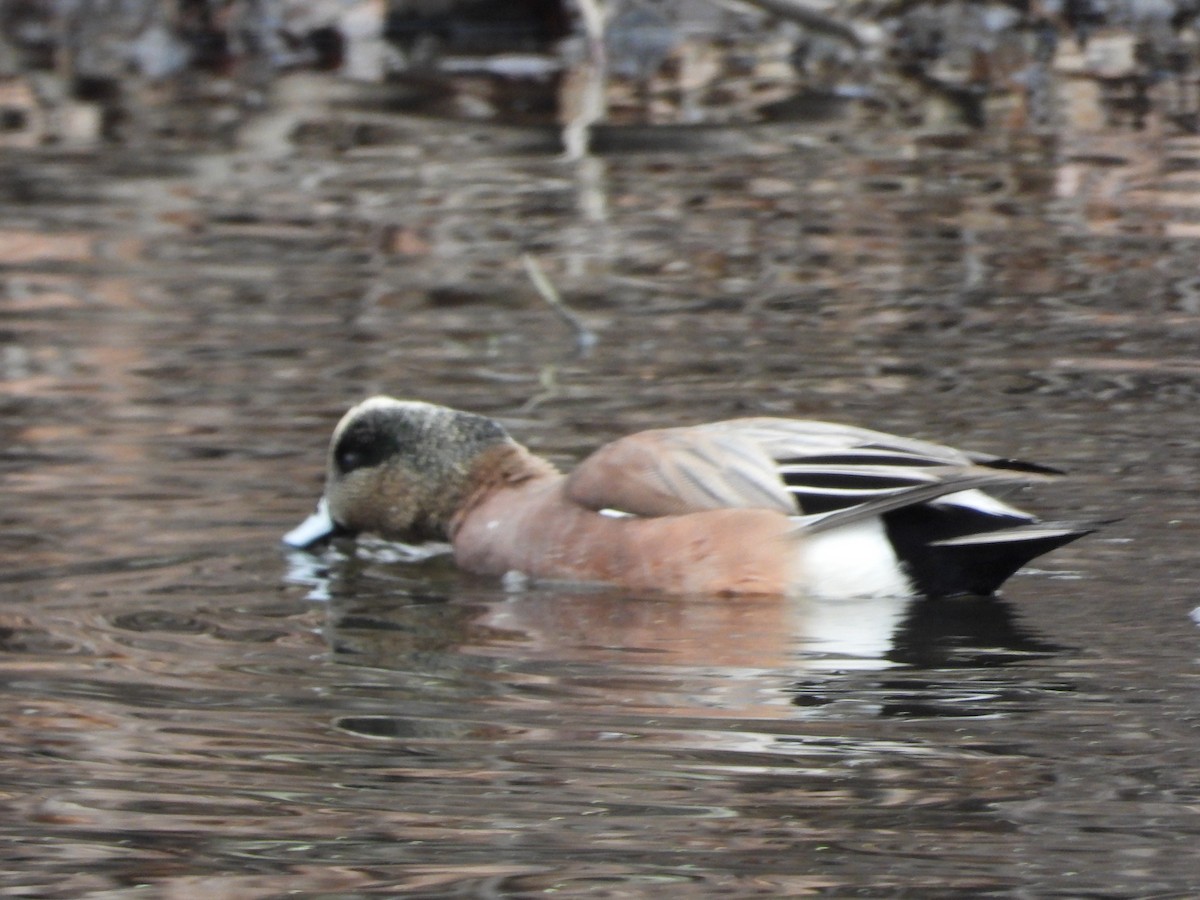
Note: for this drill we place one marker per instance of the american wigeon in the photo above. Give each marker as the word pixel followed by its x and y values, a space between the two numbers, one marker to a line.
pixel 756 505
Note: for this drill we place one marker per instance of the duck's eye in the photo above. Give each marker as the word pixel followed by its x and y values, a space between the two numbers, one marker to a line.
pixel 348 459
pixel 360 447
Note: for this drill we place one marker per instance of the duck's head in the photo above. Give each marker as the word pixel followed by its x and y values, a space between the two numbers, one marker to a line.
pixel 399 469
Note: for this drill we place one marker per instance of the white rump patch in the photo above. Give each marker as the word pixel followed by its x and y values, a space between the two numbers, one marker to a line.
pixel 855 560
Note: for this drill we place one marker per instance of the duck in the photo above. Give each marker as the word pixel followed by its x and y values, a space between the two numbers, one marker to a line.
pixel 758 505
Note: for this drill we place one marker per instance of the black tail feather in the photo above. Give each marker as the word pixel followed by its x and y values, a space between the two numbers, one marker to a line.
pixel 939 565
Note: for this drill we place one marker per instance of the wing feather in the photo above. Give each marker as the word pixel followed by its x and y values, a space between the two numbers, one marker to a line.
pixel 797 467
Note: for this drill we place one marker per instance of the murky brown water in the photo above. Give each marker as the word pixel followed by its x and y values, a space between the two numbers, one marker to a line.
pixel 188 710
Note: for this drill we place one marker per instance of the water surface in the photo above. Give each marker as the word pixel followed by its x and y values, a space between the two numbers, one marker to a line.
pixel 190 709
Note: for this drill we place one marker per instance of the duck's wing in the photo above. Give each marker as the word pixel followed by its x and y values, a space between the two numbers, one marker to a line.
pixel 679 470
pixel 793 466
pixel 784 438
pixel 827 466
pixel 959 486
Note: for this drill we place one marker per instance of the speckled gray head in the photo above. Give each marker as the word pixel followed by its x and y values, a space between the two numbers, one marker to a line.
pixel 391 469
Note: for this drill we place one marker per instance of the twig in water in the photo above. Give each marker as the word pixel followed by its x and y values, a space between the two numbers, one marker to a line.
pixel 585 338
pixel 548 379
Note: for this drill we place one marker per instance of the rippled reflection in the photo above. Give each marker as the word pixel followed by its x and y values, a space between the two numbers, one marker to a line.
pixel 188 709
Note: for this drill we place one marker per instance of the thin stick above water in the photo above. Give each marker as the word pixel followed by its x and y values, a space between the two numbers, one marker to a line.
pixel 585 338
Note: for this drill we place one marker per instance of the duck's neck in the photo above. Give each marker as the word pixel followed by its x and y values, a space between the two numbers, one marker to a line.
pixel 498 468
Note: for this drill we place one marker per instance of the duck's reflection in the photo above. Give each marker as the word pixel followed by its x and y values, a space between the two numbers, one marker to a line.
pixel 383 615
pixel 749 632
pixel 969 632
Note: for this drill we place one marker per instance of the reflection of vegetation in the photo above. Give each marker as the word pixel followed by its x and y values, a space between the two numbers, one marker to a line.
pixel 68 73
